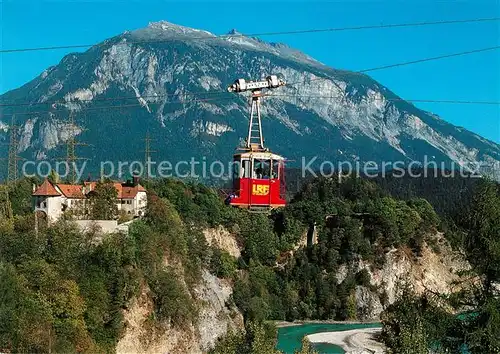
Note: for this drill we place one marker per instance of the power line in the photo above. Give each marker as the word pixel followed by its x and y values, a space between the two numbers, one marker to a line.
pixel 377 68
pixel 119 98
pixel 119 106
pixel 430 59
pixel 215 93
pixel 262 34
pixel 396 99
pixel 470 102
pixel 417 61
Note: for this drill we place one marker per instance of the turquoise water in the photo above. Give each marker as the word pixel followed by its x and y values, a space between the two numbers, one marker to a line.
pixel 290 338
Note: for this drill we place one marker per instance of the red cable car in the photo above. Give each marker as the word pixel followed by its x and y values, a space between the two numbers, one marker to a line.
pixel 259 175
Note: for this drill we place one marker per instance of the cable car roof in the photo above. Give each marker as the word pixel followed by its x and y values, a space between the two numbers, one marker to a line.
pixel 264 155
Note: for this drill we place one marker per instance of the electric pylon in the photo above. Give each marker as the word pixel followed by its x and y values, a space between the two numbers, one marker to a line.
pixel 13 157
pixel 71 144
pixel 147 155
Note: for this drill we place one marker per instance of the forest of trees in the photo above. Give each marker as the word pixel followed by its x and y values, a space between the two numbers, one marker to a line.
pixel 67 289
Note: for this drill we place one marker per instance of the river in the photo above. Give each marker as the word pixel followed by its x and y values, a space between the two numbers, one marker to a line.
pixel 290 337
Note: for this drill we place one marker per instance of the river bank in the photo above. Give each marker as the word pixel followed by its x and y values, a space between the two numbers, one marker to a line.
pixel 356 341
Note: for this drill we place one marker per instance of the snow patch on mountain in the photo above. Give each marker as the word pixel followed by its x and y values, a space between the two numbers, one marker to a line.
pixel 210 128
pixel 209 82
pixel 212 108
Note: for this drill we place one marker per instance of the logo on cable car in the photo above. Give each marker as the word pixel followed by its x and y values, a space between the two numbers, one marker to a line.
pixel 260 189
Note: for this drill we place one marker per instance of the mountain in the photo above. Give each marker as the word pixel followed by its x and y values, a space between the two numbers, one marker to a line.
pixel 141 81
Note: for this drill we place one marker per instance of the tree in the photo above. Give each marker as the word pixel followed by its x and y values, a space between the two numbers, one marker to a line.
pixel 403 329
pixel 53 177
pixel 261 337
pixel 261 243
pixel 222 264
pixel 429 217
pixel 482 239
pixel 103 202
pixel 6 215
pixel 482 245
pixel 231 343
pixel 307 347
pixel 20 196
pixel 26 322
pixel 258 338
pixel 172 301
pixel 5 205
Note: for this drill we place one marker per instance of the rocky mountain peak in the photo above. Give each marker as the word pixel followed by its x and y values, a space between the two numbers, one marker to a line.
pixel 234 32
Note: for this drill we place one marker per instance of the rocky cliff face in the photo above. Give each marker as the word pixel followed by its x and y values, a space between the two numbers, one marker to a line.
pixel 432 271
pixel 128 85
pixel 214 321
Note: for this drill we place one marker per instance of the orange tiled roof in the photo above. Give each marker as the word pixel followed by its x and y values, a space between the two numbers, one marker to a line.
pixel 71 190
pixel 128 192
pixel 47 189
pixel 123 191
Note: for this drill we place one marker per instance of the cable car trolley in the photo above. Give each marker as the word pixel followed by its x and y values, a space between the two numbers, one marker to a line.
pixel 259 174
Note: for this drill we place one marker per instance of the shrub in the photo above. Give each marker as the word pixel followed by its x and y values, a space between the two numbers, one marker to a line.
pixel 222 264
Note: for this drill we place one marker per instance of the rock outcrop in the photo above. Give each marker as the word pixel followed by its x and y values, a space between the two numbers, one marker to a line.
pixel 215 319
pixel 434 270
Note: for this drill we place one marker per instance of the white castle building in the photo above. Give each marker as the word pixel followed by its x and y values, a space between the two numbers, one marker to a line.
pixel 54 199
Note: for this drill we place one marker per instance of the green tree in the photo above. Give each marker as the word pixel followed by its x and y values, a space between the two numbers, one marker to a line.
pixel 26 322
pixel 307 347
pixel 258 338
pixel 6 214
pixel 482 239
pixel 172 301
pixel 20 196
pixel 430 219
pixel 231 343
pixel 414 324
pixel 103 202
pixel 261 337
pixel 222 264
pixel 261 243
pixel 403 329
pixel 5 204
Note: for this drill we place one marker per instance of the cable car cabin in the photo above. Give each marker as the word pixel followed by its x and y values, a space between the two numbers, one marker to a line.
pixel 258 181
pixel 259 175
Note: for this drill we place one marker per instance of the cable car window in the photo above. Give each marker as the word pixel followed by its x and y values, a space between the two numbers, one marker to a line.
pixel 245 166
pixel 236 170
pixel 262 169
pixel 275 169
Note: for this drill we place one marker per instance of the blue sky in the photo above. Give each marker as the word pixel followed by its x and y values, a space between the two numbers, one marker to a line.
pixel 474 77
